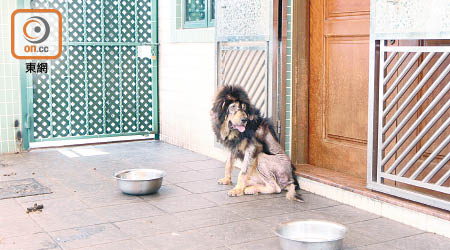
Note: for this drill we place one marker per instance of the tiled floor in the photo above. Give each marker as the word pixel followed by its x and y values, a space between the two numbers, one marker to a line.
pixel 191 211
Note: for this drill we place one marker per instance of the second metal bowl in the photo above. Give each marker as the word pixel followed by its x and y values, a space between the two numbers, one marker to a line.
pixel 311 235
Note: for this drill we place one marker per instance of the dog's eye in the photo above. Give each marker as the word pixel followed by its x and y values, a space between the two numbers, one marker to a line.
pixel 232 108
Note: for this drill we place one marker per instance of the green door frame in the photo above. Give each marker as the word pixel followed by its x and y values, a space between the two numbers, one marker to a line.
pixel 27 86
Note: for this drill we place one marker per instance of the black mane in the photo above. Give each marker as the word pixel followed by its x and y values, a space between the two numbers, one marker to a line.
pixel 226 96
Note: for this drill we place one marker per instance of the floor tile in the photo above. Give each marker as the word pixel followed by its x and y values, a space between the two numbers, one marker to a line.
pixel 345 214
pixel 17 226
pixel 425 241
pixel 276 220
pixel 204 186
pixel 127 211
pixel 50 221
pixel 222 198
pixel 11 208
pixel 187 176
pixel 383 229
pixel 265 244
pixel 355 239
pixel 188 202
pixel 102 199
pixel 29 242
pixel 57 205
pixel 166 191
pixel 87 236
pixel 178 222
pixel 117 245
pixel 313 201
pixel 265 207
pixel 206 164
pixel 208 237
pixel 379 246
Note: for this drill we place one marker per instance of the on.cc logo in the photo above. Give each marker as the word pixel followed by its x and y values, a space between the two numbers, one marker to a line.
pixel 36 29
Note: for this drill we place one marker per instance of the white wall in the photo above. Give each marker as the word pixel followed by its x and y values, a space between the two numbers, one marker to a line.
pixel 186 88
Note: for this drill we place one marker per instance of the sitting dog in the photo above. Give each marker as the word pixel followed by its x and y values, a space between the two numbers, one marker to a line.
pixel 238 125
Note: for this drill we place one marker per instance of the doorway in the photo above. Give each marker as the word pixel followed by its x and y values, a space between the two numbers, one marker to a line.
pixel 337 92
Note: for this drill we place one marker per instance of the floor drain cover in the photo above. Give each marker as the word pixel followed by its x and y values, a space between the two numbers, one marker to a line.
pixel 21 188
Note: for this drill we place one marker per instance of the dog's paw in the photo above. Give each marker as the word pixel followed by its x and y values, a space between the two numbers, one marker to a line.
pixel 224 181
pixel 250 190
pixel 236 192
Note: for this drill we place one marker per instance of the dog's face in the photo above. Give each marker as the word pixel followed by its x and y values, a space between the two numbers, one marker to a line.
pixel 237 116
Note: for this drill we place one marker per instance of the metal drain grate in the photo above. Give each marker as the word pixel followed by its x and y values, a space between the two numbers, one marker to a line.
pixel 21 188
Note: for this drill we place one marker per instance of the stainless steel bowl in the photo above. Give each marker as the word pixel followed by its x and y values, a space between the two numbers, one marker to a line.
pixel 140 181
pixel 311 235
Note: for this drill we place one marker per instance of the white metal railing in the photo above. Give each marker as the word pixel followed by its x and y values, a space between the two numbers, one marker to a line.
pixel 411 118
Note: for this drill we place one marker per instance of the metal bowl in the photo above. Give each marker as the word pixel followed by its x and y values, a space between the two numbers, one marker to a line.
pixel 140 181
pixel 311 235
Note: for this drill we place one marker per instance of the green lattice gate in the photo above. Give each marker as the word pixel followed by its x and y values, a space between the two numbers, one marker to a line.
pixel 105 82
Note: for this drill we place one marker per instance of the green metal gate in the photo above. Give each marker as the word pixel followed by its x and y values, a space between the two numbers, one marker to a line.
pixel 105 82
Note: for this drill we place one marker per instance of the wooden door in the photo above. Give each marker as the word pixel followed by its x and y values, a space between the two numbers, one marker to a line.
pixel 338 92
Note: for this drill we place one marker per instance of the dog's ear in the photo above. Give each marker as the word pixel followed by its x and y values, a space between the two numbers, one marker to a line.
pixel 253 113
pixel 223 104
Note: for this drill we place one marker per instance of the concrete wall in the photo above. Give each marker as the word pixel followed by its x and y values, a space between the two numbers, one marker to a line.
pixel 186 84
pixel 10 106
pixel 414 19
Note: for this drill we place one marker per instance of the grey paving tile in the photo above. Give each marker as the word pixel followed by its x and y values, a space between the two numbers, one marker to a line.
pixel 191 240
pixel 222 198
pixel 205 164
pixel 218 173
pixel 57 205
pixel 187 157
pixel 345 214
pixel 101 199
pixel 11 208
pixel 171 168
pixel 17 226
pixel 275 220
pixel 187 176
pixel 166 191
pixel 29 242
pixel 57 192
pixel 378 246
pixel 264 244
pixel 127 211
pixel 383 229
pixel 425 241
pixel 209 237
pixel 117 245
pixel 148 226
pixel 203 186
pixel 53 221
pixel 87 236
pixel 313 201
pixel 177 222
pixel 354 239
pixel 265 207
pixel 188 202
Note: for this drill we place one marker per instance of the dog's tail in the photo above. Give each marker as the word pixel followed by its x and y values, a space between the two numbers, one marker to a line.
pixel 297 185
pixel 292 194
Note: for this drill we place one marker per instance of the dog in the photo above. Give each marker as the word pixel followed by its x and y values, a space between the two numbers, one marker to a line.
pixel 253 144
